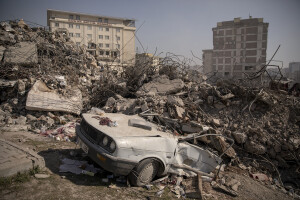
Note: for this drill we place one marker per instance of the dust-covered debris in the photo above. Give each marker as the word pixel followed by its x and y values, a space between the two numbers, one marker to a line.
pixel 263 123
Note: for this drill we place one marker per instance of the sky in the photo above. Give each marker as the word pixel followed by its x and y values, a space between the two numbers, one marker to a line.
pixel 178 26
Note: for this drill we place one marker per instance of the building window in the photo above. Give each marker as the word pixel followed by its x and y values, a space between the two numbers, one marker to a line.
pixel 78 43
pixel 101 37
pixel 118 38
pixel 77 34
pixel 101 45
pixel 105 20
pixel 101 53
pixel 99 19
pixel 77 26
pixel 71 17
pixel 100 28
pixel 77 17
pixel 107 45
pixel 249 68
pixel 89 36
pixel 107 37
pixel 118 30
pixel 70 34
pixel 91 45
pixel 117 46
pixel 107 53
pixel 57 24
pixel 89 27
pixel 70 25
pixel 107 29
pixel 226 73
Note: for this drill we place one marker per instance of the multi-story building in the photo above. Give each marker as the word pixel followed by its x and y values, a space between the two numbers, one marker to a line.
pixel 107 38
pixel 239 47
pixel 147 59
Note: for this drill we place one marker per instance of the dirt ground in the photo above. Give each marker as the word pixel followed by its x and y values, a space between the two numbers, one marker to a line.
pixel 71 186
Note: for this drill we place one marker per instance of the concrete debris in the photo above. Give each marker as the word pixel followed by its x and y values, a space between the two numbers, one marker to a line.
pixel 240 138
pixel 173 100
pixel 48 80
pixel 22 53
pixel 41 98
pixel 260 177
pixel 16 159
pixel 7 83
pixel 41 176
pixel 161 85
pixel 2 49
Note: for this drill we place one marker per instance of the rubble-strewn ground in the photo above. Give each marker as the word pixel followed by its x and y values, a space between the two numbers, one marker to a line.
pixel 67 185
pixel 263 123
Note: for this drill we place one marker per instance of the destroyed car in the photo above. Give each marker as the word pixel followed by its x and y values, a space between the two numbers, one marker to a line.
pixel 129 145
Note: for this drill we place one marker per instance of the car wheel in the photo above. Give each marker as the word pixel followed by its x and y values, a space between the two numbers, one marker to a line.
pixel 144 172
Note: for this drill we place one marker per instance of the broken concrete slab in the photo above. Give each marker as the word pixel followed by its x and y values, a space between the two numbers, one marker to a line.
pixel 239 137
pixel 173 100
pixel 41 98
pixel 14 128
pixel 179 111
pixel 188 128
pixel 21 53
pixel 14 159
pixel 41 176
pixel 7 83
pixel 161 85
pixel 252 147
pixel 2 49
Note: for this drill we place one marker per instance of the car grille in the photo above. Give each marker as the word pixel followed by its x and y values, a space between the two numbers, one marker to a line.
pixel 95 136
pixel 92 134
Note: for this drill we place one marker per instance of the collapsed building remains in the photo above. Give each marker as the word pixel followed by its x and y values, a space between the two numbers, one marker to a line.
pixel 264 123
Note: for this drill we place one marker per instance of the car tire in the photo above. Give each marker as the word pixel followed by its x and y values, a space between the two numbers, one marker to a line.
pixel 144 172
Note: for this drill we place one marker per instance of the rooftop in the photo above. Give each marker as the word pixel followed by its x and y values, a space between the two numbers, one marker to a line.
pixel 99 16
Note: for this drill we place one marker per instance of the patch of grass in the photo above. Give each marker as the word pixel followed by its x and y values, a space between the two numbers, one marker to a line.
pixel 18 178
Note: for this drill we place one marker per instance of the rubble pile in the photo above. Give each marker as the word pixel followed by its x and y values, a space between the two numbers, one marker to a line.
pixel 263 123
pixel 44 78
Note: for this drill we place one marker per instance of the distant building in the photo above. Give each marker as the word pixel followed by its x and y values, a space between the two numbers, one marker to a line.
pixel 107 38
pixel 294 71
pixel 239 47
pixel 147 59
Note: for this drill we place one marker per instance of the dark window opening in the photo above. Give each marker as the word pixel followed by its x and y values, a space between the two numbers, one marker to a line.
pixel 249 68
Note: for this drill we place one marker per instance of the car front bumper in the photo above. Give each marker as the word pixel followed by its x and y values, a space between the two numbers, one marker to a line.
pixel 118 166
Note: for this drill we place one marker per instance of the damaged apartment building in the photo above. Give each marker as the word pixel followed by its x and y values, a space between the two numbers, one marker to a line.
pixel 239 48
pixel 109 39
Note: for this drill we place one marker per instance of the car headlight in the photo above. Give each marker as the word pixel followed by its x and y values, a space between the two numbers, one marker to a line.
pixel 112 146
pixel 105 141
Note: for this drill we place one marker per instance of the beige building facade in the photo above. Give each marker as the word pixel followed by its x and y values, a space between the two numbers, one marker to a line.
pixel 239 47
pixel 109 39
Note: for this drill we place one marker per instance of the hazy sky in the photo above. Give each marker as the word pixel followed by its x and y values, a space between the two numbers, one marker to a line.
pixel 179 26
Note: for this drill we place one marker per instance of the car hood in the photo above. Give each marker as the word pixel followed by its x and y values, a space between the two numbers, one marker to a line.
pixel 123 129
